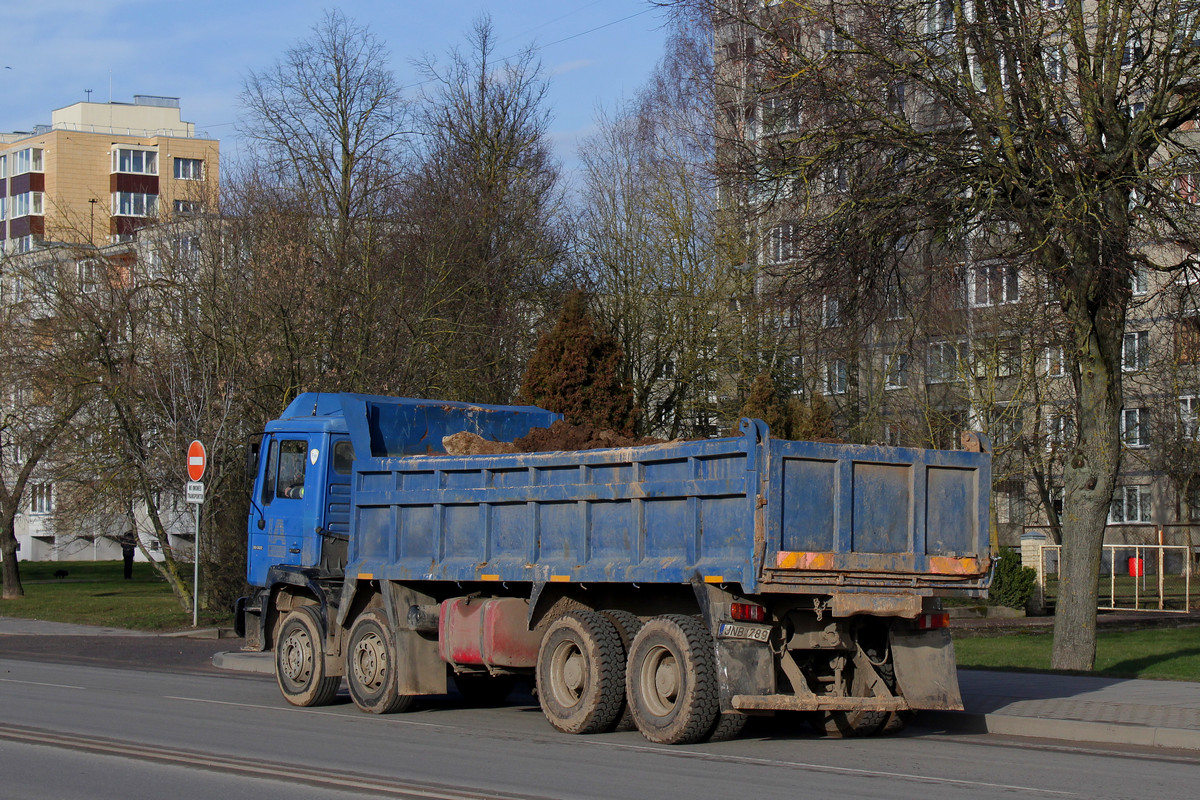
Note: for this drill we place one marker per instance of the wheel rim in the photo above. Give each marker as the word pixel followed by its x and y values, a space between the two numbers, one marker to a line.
pixel 568 673
pixel 296 657
pixel 369 662
pixel 661 681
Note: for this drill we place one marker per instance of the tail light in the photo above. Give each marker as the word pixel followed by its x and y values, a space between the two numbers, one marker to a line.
pixel 747 612
pixel 928 622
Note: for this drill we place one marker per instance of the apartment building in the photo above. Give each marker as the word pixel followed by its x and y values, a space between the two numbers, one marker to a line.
pixel 100 171
pixel 950 330
pixel 88 201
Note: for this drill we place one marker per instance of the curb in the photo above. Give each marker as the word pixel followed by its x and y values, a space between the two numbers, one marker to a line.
pixel 1062 729
pixel 261 663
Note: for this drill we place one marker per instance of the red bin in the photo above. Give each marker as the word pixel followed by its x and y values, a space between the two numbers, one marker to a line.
pixel 1137 567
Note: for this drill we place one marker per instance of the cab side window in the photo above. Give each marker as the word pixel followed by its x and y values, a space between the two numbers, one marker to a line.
pixel 343 457
pixel 289 480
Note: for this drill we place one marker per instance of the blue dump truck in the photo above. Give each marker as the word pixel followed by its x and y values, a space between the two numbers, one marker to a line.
pixel 676 588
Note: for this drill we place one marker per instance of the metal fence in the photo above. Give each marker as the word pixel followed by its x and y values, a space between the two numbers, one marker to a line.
pixel 1133 577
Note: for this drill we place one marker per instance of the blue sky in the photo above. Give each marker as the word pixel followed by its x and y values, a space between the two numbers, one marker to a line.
pixel 596 52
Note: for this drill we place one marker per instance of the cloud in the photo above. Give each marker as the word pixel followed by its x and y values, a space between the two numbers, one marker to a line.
pixel 571 66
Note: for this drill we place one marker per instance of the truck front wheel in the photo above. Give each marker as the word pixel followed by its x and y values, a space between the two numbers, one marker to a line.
pixel 300 660
pixel 672 678
pixel 580 677
pixel 372 666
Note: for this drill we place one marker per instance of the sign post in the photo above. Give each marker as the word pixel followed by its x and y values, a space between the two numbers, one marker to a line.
pixel 197 460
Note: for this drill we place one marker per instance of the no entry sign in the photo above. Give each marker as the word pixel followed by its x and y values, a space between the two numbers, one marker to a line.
pixel 197 460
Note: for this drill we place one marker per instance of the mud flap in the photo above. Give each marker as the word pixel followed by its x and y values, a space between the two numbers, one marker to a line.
pixel 421 670
pixel 926 674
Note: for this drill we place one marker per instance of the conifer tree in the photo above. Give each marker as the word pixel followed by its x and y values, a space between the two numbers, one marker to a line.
pixel 576 371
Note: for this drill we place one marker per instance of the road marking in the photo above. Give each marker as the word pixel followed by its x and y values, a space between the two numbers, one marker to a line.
pixel 827 768
pixel 321 711
pixel 273 771
pixel 36 683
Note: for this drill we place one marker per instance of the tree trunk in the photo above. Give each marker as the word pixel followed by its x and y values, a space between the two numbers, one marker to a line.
pixel 13 590
pixel 1089 476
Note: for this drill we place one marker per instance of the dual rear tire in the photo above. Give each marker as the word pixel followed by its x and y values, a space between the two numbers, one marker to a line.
pixel 600 671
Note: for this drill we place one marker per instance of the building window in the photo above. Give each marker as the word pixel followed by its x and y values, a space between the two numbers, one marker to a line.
pixel 41 498
pixel 1193 502
pixel 1135 351
pixel 835 376
pixel 1133 52
pixel 1189 406
pixel 27 160
pixel 831 311
pixel 944 358
pixel 941 17
pixel 187 208
pixel 134 204
pixel 1057 493
pixel 1187 186
pixel 3 166
pixel 139 162
pixel 1134 424
pixel 782 241
pixel 779 115
pixel 1056 66
pixel 189 169
pixel 1139 281
pixel 1055 364
pixel 28 203
pixel 994 284
pixel 897 371
pixel 88 282
pixel 1060 431
pixel 1130 504
pixel 22 244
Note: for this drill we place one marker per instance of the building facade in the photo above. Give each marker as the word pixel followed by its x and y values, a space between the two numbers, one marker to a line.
pixel 101 171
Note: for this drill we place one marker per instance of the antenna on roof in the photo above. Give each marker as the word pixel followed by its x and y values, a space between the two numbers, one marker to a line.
pixel 316 400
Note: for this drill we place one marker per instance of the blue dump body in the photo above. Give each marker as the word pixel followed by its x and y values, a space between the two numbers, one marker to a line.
pixel 749 510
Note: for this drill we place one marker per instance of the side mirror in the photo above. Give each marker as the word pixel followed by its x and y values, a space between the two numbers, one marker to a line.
pixel 262 523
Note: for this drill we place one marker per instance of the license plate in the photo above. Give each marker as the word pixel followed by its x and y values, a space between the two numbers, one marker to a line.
pixel 732 630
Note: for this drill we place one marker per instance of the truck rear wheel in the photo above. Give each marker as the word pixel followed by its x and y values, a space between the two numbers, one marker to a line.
pixel 300 660
pixel 580 677
pixel 627 625
pixel 372 664
pixel 672 678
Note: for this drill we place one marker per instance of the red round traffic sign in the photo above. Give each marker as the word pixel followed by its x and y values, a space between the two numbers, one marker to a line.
pixel 197 459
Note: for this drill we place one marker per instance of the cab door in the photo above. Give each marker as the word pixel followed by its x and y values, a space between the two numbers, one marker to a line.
pixel 289 495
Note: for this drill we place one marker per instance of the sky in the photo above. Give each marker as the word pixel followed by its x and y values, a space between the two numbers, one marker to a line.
pixel 595 52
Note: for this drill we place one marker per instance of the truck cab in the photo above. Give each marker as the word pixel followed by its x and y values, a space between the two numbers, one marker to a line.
pixel 304 462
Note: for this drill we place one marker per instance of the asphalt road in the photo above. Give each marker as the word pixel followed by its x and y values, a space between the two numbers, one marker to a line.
pixel 147 718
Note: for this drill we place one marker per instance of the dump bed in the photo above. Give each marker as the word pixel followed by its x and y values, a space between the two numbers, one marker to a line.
pixel 771 515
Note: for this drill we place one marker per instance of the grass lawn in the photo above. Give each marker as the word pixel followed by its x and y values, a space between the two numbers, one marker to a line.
pixel 94 593
pixel 1166 653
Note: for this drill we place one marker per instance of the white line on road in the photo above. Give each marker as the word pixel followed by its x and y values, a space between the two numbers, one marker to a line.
pixel 35 683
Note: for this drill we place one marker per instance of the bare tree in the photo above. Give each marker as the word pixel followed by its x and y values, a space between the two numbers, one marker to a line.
pixel 646 246
pixel 481 212
pixel 45 387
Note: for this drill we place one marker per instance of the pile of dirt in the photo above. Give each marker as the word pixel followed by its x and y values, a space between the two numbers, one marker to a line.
pixel 559 436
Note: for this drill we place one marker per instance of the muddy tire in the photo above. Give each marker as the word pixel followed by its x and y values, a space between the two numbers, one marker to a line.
pixel 627 625
pixel 300 660
pixel 371 666
pixel 844 724
pixel 580 675
pixel 728 726
pixel 672 680
pixel 480 689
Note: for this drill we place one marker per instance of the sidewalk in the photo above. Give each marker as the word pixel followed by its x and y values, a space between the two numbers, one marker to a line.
pixel 1075 708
